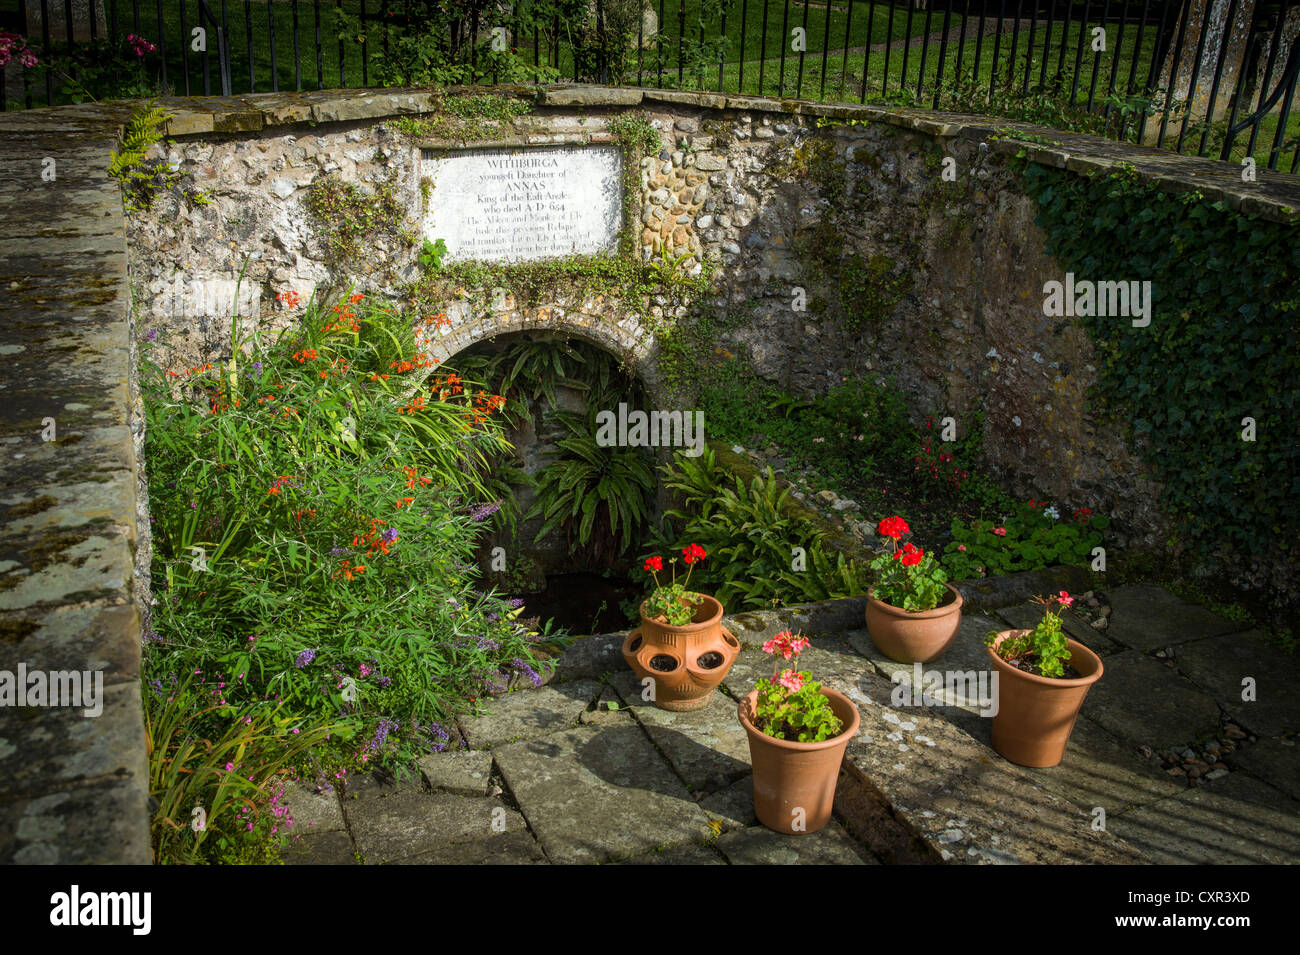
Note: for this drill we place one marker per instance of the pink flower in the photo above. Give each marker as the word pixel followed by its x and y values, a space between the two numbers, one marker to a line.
pixel 786 644
pixel 791 680
pixel 1065 599
pixel 230 767
pixel 1000 531
pixel 961 546
pixel 365 670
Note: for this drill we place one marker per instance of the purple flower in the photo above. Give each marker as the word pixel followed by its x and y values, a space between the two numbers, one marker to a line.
pixel 304 658
pixel 438 737
pixel 485 511
pixel 385 727
pixel 151 334
pixel 339 551
pixel 533 676
pixel 152 636
pixel 390 535
pixel 492 617
pixel 516 601
pixel 257 366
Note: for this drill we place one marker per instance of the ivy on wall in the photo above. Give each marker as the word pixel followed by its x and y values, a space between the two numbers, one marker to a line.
pixel 1221 346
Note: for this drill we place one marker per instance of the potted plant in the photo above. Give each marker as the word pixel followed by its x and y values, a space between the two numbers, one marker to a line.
pixel 1043 677
pixel 681 645
pixel 912 611
pixel 798 731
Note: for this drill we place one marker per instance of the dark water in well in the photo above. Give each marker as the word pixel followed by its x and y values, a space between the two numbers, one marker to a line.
pixel 584 603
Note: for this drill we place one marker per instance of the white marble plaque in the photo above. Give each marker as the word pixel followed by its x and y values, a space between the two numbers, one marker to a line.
pixel 511 205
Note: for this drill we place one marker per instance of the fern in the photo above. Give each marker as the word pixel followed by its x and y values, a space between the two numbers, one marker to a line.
pixel 127 165
pixel 142 130
pixel 750 534
pixel 600 496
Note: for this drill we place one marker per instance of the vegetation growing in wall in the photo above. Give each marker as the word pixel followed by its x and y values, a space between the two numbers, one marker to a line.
pixel 141 179
pixel 469 118
pixel 864 290
pixel 347 216
pixel 1221 347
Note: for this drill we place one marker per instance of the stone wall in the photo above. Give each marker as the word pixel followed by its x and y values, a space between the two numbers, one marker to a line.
pixel 948 294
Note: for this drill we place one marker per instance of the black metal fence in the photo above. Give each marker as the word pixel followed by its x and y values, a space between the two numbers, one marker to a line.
pixel 1211 78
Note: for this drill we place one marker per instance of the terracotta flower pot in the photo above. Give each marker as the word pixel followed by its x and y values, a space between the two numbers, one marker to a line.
pixel 1036 713
pixel 686 662
pixel 907 637
pixel 791 776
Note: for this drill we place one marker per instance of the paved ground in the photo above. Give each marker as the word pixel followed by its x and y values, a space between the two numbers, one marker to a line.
pixel 1167 764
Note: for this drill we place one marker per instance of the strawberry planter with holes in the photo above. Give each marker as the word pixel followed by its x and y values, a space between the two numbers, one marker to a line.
pixel 685 662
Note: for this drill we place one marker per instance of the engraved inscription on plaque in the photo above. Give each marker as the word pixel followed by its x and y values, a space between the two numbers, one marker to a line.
pixel 525 204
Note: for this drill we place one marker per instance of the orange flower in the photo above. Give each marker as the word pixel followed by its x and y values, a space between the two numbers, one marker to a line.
pixel 356 297
pixel 404 500
pixel 289 299
pixel 306 355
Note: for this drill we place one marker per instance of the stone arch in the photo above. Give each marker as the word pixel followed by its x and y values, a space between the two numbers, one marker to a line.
pixel 596 320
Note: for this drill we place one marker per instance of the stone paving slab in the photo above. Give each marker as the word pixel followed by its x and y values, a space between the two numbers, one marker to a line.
pixel 707 747
pixel 527 714
pixel 733 806
pixel 1027 616
pixel 691 854
pixel 1276 761
pixel 591 657
pixel 1098 770
pixel 592 794
pixel 462 772
pixel 759 845
pixel 1234 820
pixel 1143 701
pixel 956 800
pixel 319 848
pixel 505 848
pixel 1219 664
pixel 409 823
pixel 1147 617
pixel 313 811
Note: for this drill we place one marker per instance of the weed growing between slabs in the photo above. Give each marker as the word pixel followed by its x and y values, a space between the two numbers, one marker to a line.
pixel 314 517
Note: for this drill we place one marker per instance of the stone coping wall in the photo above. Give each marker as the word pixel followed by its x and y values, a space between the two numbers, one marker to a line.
pixel 73 788
pixel 73 781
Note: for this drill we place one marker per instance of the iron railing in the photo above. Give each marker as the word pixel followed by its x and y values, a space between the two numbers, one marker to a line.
pixel 1153 71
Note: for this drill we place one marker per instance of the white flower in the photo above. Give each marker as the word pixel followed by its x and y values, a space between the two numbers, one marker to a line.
pixel 1052 512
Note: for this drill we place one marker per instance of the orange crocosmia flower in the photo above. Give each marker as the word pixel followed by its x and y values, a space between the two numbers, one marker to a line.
pixel 404 500
pixel 173 374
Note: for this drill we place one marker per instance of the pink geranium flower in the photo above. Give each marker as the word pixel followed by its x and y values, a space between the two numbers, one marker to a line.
pixel 791 680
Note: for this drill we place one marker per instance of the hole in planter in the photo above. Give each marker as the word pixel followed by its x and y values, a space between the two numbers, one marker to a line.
pixel 731 641
pixel 635 645
pixel 709 661
pixel 663 663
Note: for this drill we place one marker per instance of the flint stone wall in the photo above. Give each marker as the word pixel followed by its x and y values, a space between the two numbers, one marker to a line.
pixel 951 307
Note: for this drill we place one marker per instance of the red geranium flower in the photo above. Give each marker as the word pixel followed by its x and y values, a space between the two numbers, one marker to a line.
pixel 654 563
pixel 692 553
pixel 893 527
